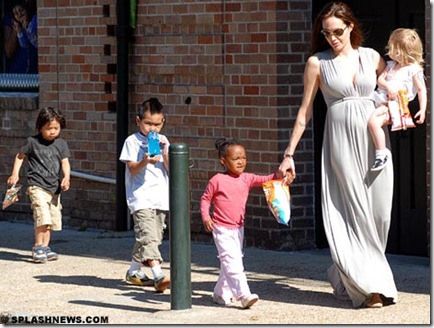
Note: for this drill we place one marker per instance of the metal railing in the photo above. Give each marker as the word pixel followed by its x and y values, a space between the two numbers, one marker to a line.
pixel 92 177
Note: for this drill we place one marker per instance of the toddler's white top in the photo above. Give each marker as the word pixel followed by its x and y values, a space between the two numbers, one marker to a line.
pixel 402 79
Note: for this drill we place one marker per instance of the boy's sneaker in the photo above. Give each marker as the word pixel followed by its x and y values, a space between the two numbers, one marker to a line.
pixel 51 256
pixel 139 278
pixel 38 254
pixel 161 284
pixel 220 301
pixel 249 301
pixel 380 163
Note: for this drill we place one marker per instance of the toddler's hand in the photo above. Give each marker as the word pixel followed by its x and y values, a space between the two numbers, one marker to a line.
pixel 392 94
pixel 420 117
pixel 164 144
pixel 152 160
pixel 12 180
pixel 208 224
pixel 290 177
pixel 65 184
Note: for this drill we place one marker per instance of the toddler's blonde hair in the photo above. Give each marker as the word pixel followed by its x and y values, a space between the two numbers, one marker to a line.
pixel 407 45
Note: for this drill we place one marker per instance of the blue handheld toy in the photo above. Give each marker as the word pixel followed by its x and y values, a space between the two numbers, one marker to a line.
pixel 153 144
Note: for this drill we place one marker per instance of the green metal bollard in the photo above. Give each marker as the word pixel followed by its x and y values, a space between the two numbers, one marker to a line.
pixel 179 229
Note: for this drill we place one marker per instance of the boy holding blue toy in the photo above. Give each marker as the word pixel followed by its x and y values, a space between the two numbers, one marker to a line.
pixel 147 191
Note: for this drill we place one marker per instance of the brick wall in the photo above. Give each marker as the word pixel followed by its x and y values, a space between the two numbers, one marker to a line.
pixel 241 63
pixel 76 61
pixel 18 116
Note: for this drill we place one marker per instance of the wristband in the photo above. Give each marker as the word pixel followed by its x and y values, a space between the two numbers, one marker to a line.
pixel 288 156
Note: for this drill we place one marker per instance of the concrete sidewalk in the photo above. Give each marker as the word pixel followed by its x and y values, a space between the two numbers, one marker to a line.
pixel 87 282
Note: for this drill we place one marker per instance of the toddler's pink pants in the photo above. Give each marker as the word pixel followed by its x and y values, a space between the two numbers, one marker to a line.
pixel 232 281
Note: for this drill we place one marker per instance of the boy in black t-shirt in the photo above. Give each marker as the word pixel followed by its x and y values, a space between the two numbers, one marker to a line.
pixel 47 156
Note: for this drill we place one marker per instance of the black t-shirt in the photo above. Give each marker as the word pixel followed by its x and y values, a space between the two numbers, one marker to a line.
pixel 44 157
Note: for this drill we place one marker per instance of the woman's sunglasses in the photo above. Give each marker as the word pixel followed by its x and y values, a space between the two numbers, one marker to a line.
pixel 338 32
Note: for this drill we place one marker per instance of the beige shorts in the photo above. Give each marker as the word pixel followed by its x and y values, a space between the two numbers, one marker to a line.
pixel 46 207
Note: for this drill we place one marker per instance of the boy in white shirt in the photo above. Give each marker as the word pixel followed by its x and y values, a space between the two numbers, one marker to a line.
pixel 147 191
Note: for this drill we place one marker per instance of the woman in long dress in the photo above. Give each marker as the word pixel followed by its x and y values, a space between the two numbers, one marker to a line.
pixel 356 202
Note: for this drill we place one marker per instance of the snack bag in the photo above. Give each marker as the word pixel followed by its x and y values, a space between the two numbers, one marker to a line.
pixel 278 199
pixel 400 115
pixel 11 196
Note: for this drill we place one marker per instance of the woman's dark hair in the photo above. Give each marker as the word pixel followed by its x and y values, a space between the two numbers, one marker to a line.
pixel 48 114
pixel 339 10
pixel 222 145
pixel 152 105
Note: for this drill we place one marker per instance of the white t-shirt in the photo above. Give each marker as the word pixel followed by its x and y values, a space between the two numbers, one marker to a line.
pixel 150 187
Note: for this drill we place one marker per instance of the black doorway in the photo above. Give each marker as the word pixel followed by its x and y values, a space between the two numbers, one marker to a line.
pixel 409 229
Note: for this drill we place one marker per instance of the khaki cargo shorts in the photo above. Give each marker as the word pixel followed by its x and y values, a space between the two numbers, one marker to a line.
pixel 46 207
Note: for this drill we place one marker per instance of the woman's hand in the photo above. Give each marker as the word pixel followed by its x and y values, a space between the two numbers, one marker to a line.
pixel 287 169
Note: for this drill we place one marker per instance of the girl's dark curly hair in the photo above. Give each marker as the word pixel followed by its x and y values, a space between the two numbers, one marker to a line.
pixel 48 114
pixel 222 145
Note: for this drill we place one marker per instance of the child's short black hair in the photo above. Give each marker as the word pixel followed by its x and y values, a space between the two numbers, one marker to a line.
pixel 153 105
pixel 222 145
pixel 48 114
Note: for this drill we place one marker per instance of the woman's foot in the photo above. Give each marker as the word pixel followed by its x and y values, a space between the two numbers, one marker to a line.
pixel 375 302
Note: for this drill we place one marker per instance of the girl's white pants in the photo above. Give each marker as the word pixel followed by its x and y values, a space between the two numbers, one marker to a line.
pixel 232 281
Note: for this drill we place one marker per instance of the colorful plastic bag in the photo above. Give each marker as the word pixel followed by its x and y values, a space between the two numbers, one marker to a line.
pixel 400 115
pixel 278 199
pixel 11 196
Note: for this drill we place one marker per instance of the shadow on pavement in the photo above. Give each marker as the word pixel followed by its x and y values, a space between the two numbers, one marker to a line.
pixel 272 274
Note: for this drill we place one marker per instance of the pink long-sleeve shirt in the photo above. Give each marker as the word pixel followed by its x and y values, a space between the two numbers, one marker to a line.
pixel 229 195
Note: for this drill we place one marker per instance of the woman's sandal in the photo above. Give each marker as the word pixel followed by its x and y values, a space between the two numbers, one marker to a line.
pixel 375 302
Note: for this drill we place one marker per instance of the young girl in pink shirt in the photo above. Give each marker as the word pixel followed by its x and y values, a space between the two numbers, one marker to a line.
pixel 228 192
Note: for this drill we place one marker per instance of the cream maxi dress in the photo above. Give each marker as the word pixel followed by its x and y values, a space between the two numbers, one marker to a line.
pixel 356 202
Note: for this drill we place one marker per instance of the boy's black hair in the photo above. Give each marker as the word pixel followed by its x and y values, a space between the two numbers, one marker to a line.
pixel 153 105
pixel 222 145
pixel 48 114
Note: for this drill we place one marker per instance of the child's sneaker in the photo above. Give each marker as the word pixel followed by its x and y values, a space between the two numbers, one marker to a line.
pixel 249 301
pixel 220 301
pixel 38 254
pixel 138 278
pixel 51 256
pixel 380 163
pixel 161 284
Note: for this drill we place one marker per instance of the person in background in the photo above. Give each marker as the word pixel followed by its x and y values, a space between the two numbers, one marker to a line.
pixel 356 202
pixel 21 40
pixel 147 191
pixel 48 174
